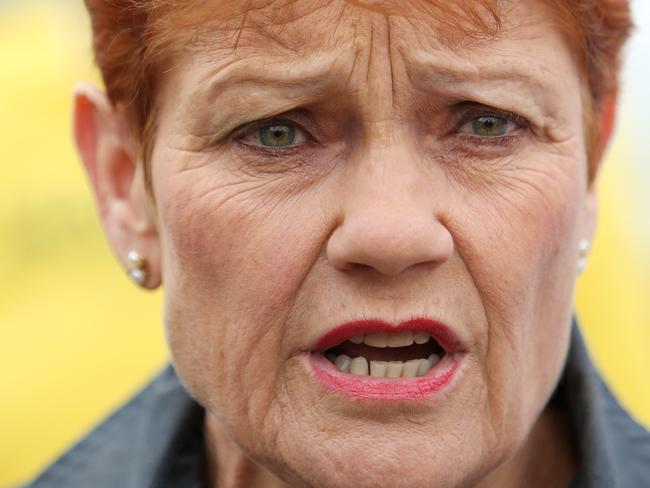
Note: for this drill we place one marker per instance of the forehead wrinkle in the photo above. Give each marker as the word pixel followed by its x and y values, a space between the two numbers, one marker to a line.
pixel 313 74
pixel 286 25
pixel 426 70
pixel 250 22
pixel 505 87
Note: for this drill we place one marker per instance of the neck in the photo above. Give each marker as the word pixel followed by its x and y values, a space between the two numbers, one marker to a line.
pixel 547 457
pixel 231 467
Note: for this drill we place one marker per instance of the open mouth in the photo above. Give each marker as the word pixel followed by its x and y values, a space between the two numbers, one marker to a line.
pixel 375 360
pixel 404 354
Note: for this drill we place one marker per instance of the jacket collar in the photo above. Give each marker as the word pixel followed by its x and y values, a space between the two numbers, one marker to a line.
pixel 613 449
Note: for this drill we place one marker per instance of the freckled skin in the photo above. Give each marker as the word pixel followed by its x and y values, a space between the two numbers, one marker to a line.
pixel 388 211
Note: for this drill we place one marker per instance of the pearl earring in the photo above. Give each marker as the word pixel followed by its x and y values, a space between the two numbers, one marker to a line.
pixel 583 249
pixel 137 268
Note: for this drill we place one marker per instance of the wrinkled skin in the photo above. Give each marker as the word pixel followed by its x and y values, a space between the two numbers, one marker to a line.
pixel 385 206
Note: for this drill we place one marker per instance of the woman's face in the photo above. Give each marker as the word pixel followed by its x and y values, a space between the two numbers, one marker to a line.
pixel 341 166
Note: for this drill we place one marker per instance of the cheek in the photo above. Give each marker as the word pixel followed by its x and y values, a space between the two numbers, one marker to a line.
pixel 521 260
pixel 228 252
pixel 233 265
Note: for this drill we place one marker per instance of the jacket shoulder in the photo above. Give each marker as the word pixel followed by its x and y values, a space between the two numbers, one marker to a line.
pixel 126 448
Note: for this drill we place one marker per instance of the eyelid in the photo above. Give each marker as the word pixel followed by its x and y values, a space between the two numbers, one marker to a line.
pixel 251 128
pixel 471 111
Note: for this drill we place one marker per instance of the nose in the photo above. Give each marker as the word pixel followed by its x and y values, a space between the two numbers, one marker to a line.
pixel 391 218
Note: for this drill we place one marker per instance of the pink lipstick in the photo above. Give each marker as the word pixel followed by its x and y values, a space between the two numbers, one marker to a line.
pixel 373 359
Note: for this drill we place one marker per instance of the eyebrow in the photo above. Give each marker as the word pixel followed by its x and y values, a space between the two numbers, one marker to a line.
pixel 425 63
pixel 467 80
pixel 310 81
pixel 295 83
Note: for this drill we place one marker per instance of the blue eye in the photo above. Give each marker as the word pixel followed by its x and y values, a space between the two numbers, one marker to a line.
pixel 277 136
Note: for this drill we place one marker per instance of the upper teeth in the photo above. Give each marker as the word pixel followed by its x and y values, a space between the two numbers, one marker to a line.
pixel 383 339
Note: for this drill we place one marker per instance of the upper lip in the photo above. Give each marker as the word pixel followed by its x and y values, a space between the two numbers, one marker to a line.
pixel 441 332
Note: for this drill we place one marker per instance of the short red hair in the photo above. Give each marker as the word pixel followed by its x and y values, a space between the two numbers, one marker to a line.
pixel 132 38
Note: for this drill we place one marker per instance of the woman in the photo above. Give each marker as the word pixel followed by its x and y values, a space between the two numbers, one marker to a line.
pixel 368 218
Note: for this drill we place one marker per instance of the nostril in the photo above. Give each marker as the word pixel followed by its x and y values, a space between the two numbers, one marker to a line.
pixel 389 247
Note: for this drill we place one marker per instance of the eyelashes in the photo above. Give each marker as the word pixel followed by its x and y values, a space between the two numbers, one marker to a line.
pixel 273 134
pixel 488 123
pixel 473 124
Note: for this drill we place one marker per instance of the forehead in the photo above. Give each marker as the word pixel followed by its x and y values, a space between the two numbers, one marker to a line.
pixel 281 28
pixel 467 39
pixel 308 24
pixel 474 33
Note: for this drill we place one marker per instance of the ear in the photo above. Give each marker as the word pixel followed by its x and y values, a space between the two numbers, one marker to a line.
pixel 109 154
pixel 606 119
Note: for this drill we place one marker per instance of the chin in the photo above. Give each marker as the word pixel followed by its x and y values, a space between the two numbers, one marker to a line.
pixel 384 463
pixel 373 455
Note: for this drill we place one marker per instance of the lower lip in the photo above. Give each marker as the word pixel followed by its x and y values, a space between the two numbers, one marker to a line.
pixel 372 388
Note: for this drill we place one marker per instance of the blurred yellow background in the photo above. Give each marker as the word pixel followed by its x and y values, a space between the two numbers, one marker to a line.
pixel 77 338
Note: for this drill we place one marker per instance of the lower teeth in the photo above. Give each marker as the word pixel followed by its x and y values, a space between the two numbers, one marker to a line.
pixel 384 369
